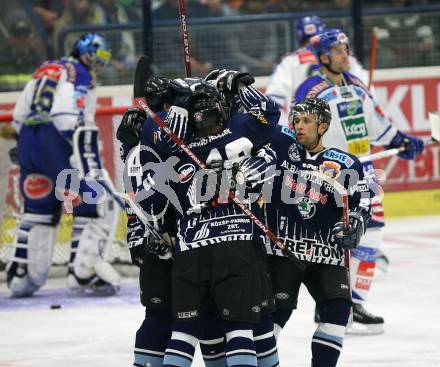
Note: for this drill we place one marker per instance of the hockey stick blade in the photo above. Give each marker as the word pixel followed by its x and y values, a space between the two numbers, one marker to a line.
pixel 140 76
pixel 279 243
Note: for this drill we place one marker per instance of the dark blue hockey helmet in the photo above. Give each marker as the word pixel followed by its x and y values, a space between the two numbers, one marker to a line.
pixel 322 42
pixel 206 110
pixel 308 26
pixel 308 105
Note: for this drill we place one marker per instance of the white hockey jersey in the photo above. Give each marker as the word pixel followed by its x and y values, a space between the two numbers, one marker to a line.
pixel 61 92
pixel 292 71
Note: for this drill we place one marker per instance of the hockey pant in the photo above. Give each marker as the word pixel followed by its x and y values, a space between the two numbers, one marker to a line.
pixel 363 264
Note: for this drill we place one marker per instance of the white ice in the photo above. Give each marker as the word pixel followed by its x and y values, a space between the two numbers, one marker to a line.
pixel 100 332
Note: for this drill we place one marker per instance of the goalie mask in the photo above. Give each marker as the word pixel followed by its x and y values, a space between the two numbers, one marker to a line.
pixel 206 114
pixel 92 50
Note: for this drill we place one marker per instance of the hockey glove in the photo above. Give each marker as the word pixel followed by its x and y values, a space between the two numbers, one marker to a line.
pixel 162 249
pixel 129 130
pixel 182 93
pixel 413 146
pixel 229 82
pixel 350 238
pixel 157 92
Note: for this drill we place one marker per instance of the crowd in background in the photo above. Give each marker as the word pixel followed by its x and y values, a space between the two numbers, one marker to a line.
pixel 27 41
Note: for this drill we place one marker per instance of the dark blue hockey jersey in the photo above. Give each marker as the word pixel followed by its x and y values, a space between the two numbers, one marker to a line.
pixel 303 209
pixel 188 188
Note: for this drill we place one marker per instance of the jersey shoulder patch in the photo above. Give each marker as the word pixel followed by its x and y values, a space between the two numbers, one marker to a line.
pixel 354 80
pixel 311 87
pixel 339 156
pixel 78 74
pixel 289 132
pixel 306 56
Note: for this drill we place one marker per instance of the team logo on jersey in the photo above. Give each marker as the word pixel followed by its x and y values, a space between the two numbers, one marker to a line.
pixel 186 172
pixel 37 186
pixel 202 232
pixel 330 168
pixel 355 128
pixel 351 108
pixel 198 117
pixel 294 153
pixel 306 207
pixel 339 156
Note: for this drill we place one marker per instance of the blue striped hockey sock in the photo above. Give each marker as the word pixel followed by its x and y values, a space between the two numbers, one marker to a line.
pixel 240 347
pixel 329 336
pixel 265 343
pixel 152 338
pixel 182 345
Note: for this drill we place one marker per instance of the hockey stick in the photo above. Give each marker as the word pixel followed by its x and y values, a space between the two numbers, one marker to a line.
pixel 342 191
pixel 374 41
pixel 279 243
pixel 434 119
pixel 105 180
pixel 185 38
pixel 140 214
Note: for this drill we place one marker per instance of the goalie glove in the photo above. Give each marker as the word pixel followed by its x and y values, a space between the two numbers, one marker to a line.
pixel 350 238
pixel 129 130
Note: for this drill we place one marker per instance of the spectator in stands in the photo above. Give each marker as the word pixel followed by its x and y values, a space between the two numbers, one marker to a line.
pixel 234 6
pixel 245 45
pixel 133 9
pixel 122 43
pixel 19 55
pixel 210 8
pixel 49 11
pixel 168 41
pixel 405 39
pixel 78 12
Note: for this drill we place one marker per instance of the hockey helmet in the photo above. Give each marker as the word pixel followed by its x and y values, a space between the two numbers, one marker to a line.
pixel 206 110
pixel 94 47
pixel 323 41
pixel 309 105
pixel 157 93
pixel 308 26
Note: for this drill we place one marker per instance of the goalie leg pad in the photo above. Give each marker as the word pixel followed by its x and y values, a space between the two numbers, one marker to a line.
pixel 363 264
pixel 91 271
pixel 32 259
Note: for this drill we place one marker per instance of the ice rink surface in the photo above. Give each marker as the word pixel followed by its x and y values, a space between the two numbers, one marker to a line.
pixel 100 332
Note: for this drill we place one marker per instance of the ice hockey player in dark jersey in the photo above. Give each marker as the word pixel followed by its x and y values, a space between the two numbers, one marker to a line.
pixel 153 257
pixel 155 272
pixel 304 212
pixel 216 256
